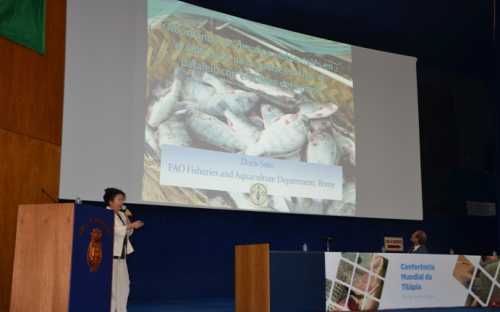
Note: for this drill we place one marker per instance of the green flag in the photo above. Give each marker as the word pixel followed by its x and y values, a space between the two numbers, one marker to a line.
pixel 23 21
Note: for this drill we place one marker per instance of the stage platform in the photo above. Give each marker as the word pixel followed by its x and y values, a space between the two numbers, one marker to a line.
pixel 201 305
pixel 227 305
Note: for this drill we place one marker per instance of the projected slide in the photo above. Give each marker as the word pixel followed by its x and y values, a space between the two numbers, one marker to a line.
pixel 240 115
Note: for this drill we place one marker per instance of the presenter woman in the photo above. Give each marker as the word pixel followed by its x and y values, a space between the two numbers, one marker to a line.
pixel 114 199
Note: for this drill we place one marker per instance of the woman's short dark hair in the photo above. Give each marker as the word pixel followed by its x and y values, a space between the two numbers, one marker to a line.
pixel 110 193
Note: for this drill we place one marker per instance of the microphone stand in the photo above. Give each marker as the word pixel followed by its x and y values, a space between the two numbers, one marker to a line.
pixel 328 240
pixel 52 198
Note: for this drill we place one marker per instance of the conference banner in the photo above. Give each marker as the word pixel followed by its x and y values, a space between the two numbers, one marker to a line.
pixel 372 281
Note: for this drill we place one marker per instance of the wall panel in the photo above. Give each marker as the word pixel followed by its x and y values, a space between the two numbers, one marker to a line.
pixel 31 103
pixel 31 85
pixel 27 166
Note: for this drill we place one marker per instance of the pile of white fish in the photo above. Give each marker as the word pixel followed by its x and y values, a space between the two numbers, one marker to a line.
pixel 199 110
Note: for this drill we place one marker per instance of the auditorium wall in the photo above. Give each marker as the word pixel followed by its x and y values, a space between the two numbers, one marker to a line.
pixel 189 252
pixel 31 97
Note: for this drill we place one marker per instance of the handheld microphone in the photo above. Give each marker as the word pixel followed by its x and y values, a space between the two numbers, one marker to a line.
pixel 127 212
pixel 328 240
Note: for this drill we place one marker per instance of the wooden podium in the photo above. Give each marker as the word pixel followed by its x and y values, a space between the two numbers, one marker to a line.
pixel 252 284
pixel 277 281
pixel 63 258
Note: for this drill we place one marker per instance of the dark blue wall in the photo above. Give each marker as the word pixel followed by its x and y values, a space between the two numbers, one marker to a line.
pixel 188 253
pixel 495 90
pixel 452 34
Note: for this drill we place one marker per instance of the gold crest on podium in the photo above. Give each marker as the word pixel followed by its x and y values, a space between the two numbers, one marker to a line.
pixel 94 251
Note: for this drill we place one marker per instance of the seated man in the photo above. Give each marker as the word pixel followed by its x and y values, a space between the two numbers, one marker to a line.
pixel 418 239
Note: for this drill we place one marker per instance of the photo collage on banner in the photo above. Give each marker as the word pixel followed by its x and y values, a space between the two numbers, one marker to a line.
pixel 482 281
pixel 358 283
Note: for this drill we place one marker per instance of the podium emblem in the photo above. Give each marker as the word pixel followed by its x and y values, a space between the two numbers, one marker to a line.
pixel 258 194
pixel 94 251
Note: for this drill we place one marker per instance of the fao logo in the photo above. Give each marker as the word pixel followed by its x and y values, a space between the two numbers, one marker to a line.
pixel 258 194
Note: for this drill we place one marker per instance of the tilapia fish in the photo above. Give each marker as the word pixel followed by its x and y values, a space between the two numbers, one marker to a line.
pixel 321 148
pixel 163 108
pixel 211 130
pixel 319 125
pixel 152 141
pixel 218 84
pixel 199 88
pixel 347 205
pixel 267 89
pixel 307 107
pixel 315 110
pixel 209 93
pixel 280 203
pixel 244 128
pixel 309 205
pixel 196 90
pixel 349 193
pixel 218 202
pixel 173 132
pixel 324 112
pixel 286 135
pixel 256 120
pixel 346 146
pixel 240 102
pixel 270 113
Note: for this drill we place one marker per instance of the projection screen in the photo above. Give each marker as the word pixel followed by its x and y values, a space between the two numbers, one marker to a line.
pixel 183 106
